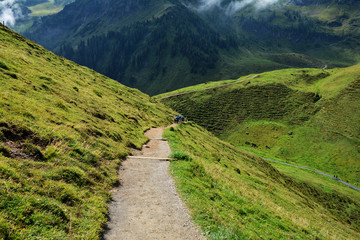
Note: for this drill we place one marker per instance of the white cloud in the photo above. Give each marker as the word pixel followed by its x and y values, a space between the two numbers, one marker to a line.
pixel 233 6
pixel 208 4
pixel 9 12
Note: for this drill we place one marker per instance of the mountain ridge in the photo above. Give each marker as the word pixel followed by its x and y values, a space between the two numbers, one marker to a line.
pixel 219 46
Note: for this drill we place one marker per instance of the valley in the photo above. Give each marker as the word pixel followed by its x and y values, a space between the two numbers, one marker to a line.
pixel 172 44
pixel 306 116
pixel 65 130
pixel 269 146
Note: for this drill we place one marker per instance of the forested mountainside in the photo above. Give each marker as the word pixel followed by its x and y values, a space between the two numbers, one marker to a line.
pixel 162 45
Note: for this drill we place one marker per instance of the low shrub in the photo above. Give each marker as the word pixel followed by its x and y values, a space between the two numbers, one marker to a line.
pixel 71 175
pixel 4 150
pixel 33 151
pixel 3 65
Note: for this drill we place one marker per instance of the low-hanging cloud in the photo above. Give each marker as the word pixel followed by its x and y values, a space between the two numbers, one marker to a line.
pixel 9 12
pixel 233 6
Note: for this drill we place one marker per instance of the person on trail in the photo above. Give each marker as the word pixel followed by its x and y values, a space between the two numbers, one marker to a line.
pixel 179 118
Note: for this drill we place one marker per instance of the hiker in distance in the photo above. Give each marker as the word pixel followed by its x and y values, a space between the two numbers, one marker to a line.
pixel 179 118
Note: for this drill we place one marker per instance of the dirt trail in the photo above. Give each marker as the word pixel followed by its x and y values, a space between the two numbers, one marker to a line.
pixel 223 85
pixel 325 174
pixel 146 205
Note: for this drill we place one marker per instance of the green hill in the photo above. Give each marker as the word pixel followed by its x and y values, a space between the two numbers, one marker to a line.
pixel 237 195
pixel 161 45
pixel 64 130
pixel 305 116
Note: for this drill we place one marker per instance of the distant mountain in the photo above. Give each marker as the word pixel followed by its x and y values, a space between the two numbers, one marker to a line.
pixel 162 45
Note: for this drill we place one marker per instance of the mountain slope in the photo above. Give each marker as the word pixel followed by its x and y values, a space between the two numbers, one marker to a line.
pixel 161 45
pixel 143 44
pixel 306 116
pixel 64 130
pixel 236 195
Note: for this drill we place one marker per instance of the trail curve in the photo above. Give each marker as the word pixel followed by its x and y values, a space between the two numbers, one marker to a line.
pixel 325 174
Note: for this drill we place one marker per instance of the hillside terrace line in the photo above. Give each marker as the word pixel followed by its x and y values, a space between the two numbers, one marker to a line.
pixel 198 90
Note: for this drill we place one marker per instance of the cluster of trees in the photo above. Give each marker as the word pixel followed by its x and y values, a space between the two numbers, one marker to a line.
pixel 109 53
pixel 289 25
pixel 148 43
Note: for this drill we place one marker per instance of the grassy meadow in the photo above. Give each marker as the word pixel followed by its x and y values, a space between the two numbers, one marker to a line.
pixel 64 130
pixel 234 194
pixel 306 116
pixel 48 7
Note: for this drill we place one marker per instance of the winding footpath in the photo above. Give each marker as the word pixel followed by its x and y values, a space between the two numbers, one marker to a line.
pixel 146 205
pixel 325 174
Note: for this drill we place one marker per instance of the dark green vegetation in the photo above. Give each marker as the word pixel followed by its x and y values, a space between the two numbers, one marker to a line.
pixel 161 45
pixel 140 43
pixel 64 130
pixel 306 116
pixel 234 194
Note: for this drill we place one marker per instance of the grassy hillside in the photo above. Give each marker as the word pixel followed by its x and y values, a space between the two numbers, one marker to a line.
pixel 307 116
pixel 64 130
pixel 47 7
pixel 234 194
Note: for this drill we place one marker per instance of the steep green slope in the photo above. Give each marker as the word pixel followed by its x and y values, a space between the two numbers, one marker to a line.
pixel 237 195
pixel 64 130
pixel 162 45
pixel 306 116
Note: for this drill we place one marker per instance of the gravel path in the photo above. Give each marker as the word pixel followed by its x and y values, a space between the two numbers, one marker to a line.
pixel 146 205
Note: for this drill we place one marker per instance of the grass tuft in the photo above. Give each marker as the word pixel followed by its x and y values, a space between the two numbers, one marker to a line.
pixel 3 65
pixel 180 156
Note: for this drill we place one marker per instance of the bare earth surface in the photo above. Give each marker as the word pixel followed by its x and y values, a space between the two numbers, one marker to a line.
pixel 146 205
